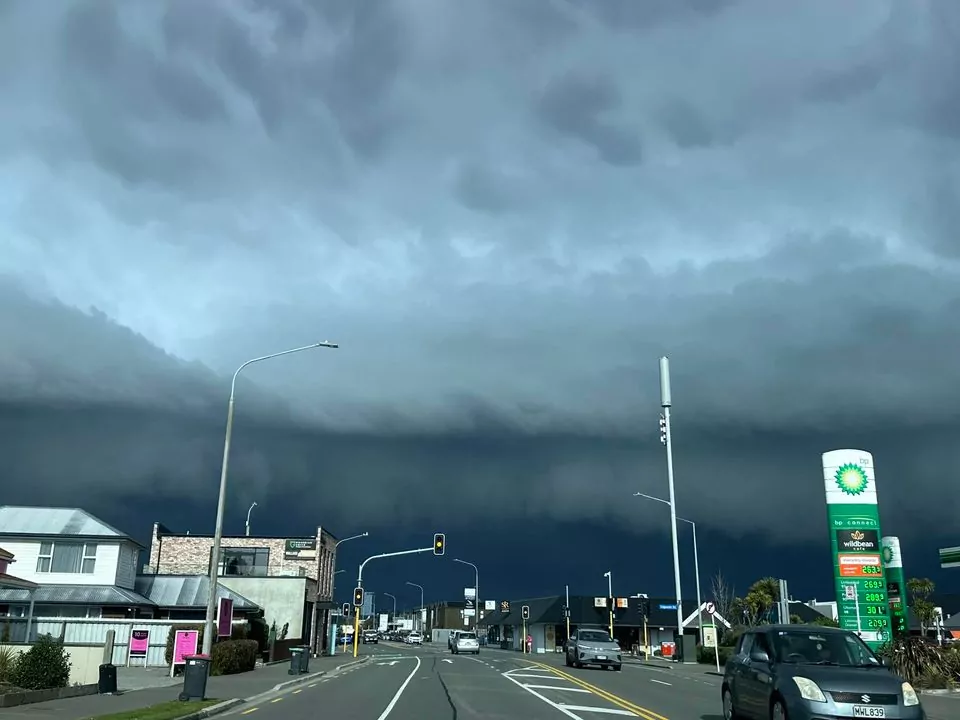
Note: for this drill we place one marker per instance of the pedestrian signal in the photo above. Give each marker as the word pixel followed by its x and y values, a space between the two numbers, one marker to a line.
pixel 346 608
pixel 525 612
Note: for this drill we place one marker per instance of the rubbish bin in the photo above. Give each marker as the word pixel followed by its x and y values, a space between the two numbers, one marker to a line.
pixel 305 660
pixel 107 682
pixel 296 660
pixel 195 671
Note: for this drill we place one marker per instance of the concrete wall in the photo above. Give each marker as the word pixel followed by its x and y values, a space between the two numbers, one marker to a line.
pixel 282 598
pixel 25 567
pixel 85 661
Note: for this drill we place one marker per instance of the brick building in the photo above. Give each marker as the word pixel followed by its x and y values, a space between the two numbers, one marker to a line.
pixel 290 578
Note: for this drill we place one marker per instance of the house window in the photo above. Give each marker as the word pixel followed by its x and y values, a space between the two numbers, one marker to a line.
pixel 244 562
pixel 67 557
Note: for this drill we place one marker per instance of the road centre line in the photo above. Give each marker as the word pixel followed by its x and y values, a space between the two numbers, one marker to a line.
pixel 591 708
pixel 606 695
pixel 558 687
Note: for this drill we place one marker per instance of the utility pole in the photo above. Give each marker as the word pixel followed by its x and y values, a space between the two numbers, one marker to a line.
pixel 666 402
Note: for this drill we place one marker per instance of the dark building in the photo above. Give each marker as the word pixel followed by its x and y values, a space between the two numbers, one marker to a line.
pixel 445 616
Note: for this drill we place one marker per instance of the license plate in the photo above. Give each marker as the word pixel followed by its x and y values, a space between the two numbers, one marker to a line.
pixel 601 657
pixel 866 711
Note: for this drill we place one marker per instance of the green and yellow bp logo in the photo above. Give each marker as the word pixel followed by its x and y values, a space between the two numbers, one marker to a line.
pixel 851 479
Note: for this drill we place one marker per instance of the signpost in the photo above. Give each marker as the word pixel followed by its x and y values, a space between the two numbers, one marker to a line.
pixel 184 643
pixel 710 638
pixel 139 645
pixel 854 522
pixel 896 584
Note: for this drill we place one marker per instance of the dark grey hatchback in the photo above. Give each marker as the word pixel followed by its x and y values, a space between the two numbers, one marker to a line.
pixel 808 672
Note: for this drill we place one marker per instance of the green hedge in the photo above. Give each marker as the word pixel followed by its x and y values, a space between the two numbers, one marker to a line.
pixel 230 657
pixel 46 665
pixel 707 656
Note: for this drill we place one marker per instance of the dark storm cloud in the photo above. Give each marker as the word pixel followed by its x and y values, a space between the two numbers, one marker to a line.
pixel 504 215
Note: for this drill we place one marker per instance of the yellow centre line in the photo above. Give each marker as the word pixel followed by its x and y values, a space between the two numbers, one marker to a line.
pixel 247 712
pixel 608 696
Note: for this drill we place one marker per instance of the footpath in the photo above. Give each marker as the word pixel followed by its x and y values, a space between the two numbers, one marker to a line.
pixel 225 687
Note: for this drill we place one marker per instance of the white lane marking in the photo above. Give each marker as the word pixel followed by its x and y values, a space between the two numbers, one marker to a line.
pixel 557 687
pixel 590 708
pixel 389 709
pixel 660 682
pixel 541 676
pixel 537 695
pixel 448 660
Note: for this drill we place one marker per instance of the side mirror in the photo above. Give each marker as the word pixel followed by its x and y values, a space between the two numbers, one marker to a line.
pixel 759 656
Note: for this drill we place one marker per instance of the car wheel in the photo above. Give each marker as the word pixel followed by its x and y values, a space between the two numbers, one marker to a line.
pixel 617 668
pixel 577 664
pixel 566 660
pixel 778 711
pixel 477 652
pixel 729 710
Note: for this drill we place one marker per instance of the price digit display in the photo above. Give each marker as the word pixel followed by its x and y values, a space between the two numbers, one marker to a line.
pixel 874 597
pixel 872 570
pixel 877 623
pixel 872 585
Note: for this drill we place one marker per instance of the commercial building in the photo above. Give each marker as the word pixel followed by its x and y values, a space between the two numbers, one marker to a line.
pixel 291 578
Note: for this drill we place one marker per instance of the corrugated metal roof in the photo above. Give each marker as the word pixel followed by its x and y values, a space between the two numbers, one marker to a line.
pixel 186 591
pixel 75 595
pixel 68 522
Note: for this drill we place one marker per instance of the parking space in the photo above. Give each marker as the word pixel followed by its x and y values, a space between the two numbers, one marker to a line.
pixel 572 697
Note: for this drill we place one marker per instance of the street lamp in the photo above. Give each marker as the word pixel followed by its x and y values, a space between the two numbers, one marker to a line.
pixel 696 557
pixel 394 598
pixel 208 629
pixel 420 614
pixel 248 517
pixel 666 402
pixel 476 590
pixel 609 576
pixel 335 546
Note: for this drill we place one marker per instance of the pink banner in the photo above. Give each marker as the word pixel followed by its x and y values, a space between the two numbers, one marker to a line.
pixel 139 643
pixel 225 618
pixel 184 643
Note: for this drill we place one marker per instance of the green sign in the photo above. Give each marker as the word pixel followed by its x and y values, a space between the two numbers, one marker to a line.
pixel 858 576
pixel 896 584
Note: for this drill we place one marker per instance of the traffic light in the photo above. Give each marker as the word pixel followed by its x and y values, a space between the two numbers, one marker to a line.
pixel 358 596
pixel 525 612
pixel 644 607
pixel 346 608
pixel 663 430
pixel 439 542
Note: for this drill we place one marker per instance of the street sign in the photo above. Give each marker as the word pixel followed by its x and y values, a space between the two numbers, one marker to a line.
pixel 709 636
pixel 711 608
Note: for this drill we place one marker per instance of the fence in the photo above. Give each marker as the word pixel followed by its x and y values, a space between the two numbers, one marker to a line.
pixel 93 632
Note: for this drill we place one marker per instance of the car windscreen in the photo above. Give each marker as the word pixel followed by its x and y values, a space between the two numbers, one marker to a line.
pixel 812 648
pixel 593 636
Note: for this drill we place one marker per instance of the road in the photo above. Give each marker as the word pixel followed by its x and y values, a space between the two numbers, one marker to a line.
pixel 404 683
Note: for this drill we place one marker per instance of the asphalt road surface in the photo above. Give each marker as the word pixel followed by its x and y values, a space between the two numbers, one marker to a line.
pixel 410 683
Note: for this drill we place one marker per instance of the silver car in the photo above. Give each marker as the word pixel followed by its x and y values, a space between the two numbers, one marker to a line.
pixel 593 647
pixel 466 642
pixel 807 672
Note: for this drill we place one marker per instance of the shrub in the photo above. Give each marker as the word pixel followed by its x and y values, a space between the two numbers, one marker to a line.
pixel 44 666
pixel 707 656
pixel 230 657
pixel 8 664
pixel 920 663
pixel 168 651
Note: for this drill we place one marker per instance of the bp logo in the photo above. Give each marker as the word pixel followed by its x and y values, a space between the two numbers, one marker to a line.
pixel 887 555
pixel 851 479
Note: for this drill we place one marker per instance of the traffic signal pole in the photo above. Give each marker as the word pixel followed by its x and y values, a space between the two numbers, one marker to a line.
pixel 356 622
pixel 566 610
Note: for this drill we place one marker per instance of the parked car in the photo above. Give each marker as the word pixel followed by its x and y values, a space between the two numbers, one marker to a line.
pixel 414 638
pixel 589 646
pixel 465 642
pixel 807 672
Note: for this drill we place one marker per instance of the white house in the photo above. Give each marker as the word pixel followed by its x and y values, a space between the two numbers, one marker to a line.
pixel 82 566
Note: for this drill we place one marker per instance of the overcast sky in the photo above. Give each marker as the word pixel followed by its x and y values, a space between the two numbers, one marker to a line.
pixel 505 211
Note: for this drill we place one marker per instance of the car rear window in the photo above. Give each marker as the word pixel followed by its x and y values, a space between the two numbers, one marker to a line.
pixel 467 636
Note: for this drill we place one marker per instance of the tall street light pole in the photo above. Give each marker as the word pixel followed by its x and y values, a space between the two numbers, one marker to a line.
pixel 476 590
pixel 666 402
pixel 420 613
pixel 247 526
pixel 696 558
pixel 609 576
pixel 394 598
pixel 335 546
pixel 208 628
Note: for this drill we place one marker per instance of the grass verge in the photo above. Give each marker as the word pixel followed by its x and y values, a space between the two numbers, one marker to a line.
pixel 163 711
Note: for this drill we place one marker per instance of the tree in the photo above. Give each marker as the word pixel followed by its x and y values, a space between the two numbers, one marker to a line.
pixel 920 590
pixel 723 601
pixel 824 621
pixel 755 607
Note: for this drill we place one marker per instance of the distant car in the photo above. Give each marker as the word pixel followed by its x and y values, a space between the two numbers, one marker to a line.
pixel 414 638
pixel 807 672
pixel 466 642
pixel 452 638
pixel 371 636
pixel 593 647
